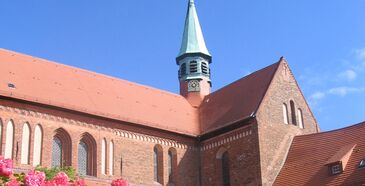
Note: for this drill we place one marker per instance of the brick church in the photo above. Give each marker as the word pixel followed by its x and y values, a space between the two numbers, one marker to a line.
pixel 258 130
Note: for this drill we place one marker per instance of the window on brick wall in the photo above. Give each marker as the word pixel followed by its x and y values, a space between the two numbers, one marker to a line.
pixel 285 114
pixel 158 164
pixel 24 158
pixel 61 149
pixel 37 146
pixel 225 169
pixel 172 165
pixel 9 140
pixel 87 155
pixel 293 113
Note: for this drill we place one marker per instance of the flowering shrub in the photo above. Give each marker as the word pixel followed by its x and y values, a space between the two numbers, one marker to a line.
pixel 44 176
pixel 120 182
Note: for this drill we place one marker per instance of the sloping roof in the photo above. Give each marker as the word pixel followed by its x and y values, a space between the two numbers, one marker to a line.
pixel 235 101
pixel 45 82
pixel 309 155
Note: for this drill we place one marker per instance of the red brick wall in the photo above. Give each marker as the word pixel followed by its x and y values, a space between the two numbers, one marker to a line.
pixel 133 145
pixel 275 136
pixel 242 148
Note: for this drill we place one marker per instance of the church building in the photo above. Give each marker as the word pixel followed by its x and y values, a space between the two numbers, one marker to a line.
pixel 258 130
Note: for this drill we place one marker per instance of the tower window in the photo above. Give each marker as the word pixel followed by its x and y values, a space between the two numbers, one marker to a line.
pixel 193 67
pixel 293 113
pixel 204 68
pixel 183 69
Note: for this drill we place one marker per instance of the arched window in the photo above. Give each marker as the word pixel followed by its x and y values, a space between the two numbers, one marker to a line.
pixel 56 152
pixel 293 113
pixel 111 158
pixel 225 169
pixel 285 114
pixel 86 160
pixel 172 165
pixel 300 119
pixel 158 164
pixel 25 144
pixel 103 156
pixel 223 166
pixel 9 141
pixel 61 149
pixel 37 146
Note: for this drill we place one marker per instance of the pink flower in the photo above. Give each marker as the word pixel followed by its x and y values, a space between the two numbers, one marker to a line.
pixel 61 179
pixel 6 167
pixel 79 182
pixel 49 183
pixel 34 178
pixel 120 182
pixel 12 183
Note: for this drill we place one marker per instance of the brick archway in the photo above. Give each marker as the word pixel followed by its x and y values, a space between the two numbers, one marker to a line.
pixel 62 141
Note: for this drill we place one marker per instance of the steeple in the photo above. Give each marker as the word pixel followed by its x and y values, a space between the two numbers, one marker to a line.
pixel 193 60
pixel 193 39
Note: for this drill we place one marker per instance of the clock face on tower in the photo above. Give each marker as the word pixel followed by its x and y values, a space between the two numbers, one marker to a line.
pixel 193 86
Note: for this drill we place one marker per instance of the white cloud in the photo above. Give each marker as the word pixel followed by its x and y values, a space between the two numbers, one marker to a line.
pixel 348 75
pixel 318 95
pixel 343 91
pixel 360 53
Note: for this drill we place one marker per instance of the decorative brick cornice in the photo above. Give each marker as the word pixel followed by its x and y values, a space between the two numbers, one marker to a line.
pixel 226 139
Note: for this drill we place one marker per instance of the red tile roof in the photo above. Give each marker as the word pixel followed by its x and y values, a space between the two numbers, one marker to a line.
pixel 41 81
pixel 235 101
pixel 50 83
pixel 309 155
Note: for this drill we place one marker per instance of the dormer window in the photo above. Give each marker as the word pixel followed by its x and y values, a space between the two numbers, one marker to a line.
pixel 336 169
pixel 362 163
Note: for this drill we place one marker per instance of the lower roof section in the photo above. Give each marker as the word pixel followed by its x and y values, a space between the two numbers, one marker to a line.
pixel 309 156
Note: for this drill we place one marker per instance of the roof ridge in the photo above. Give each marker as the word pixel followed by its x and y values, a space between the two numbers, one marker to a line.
pixel 69 67
pixel 244 77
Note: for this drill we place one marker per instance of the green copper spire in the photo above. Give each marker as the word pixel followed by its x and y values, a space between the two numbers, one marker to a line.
pixel 193 40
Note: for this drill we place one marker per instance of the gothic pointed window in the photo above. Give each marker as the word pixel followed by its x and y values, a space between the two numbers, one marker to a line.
pixel 285 114
pixel 86 160
pixel 24 158
pixel 82 159
pixel 37 146
pixel 61 149
pixel 158 164
pixel 9 140
pixel 293 113
pixel 56 152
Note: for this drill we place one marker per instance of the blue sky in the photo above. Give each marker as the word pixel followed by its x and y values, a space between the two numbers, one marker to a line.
pixel 323 41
